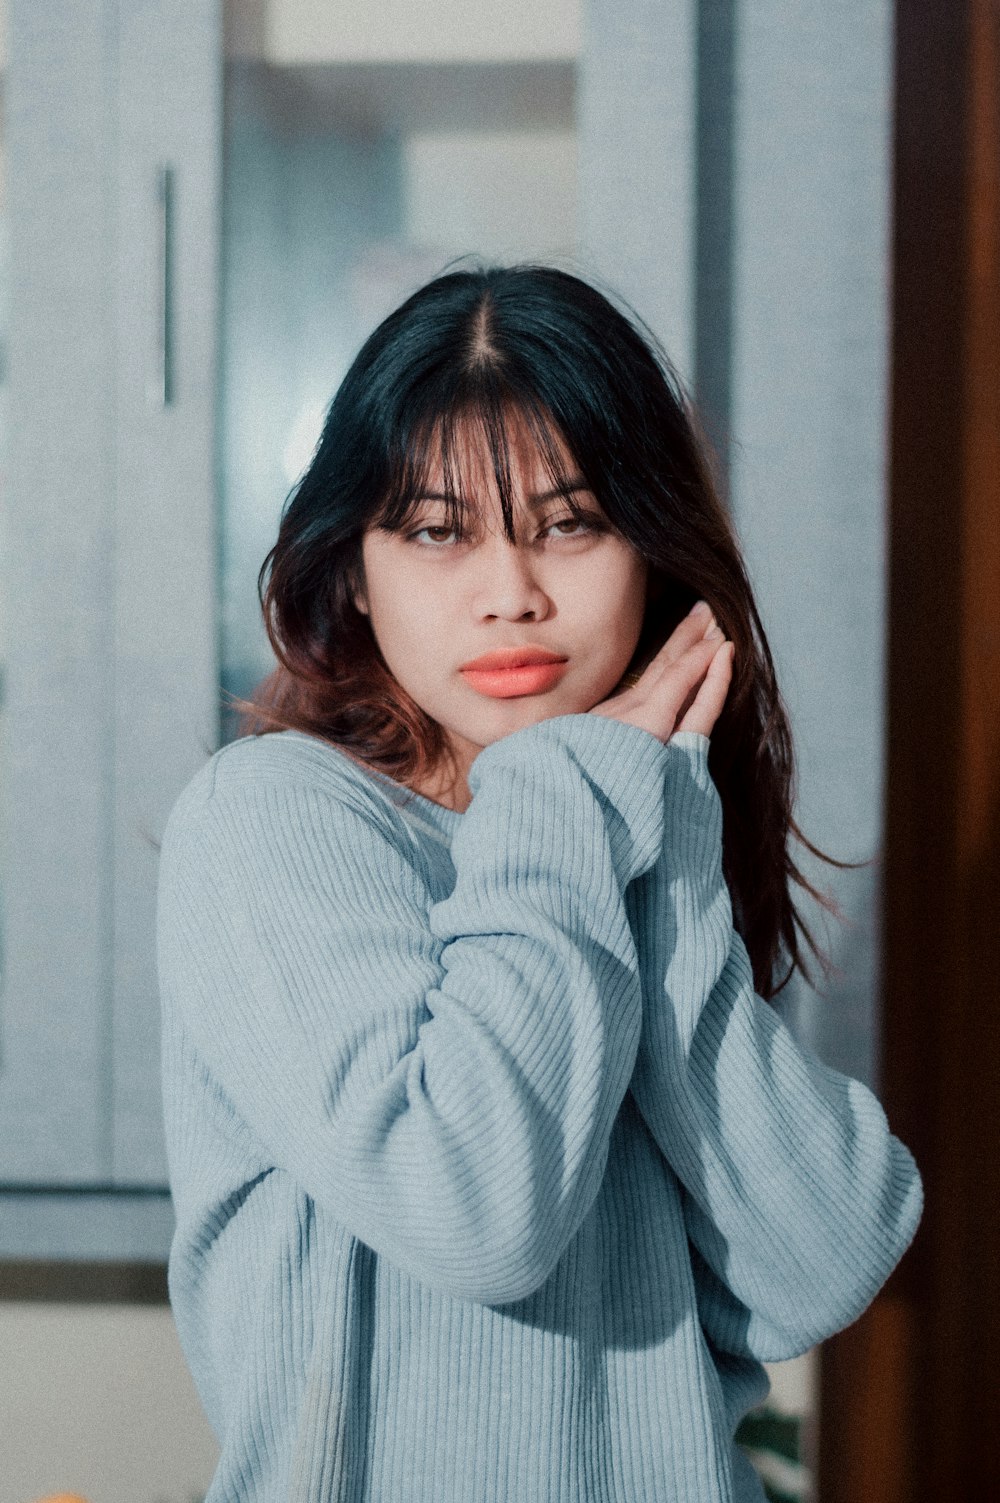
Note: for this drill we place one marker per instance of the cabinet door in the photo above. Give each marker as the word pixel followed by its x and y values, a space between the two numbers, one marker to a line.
pixel 58 570
pixel 109 672
pixel 164 628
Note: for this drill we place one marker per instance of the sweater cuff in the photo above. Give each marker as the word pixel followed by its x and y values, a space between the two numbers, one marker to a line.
pixel 692 806
pixel 623 763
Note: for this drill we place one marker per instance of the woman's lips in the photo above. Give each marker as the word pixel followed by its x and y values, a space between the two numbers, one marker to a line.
pixel 507 683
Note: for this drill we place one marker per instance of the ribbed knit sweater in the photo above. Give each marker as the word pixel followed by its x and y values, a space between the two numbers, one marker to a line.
pixel 495 1181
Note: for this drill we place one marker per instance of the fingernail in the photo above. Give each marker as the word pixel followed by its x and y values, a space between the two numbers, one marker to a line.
pixel 716 631
pixel 699 608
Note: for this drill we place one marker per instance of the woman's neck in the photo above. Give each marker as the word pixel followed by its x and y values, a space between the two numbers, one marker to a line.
pixel 450 789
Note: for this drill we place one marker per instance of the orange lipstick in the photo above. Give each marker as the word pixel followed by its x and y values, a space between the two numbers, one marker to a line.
pixel 513 671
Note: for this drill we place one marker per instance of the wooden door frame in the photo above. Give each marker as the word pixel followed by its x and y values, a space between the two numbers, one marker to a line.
pixel 907 1404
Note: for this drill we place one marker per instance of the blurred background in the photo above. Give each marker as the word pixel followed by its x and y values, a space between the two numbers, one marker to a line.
pixel 204 208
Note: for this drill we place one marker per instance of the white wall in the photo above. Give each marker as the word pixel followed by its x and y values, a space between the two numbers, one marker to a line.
pixel 96 1400
pixel 503 194
pixel 438 31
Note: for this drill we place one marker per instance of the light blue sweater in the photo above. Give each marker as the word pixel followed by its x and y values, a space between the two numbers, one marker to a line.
pixel 495 1182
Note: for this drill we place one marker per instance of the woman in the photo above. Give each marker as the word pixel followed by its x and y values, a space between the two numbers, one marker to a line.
pixel 496 1176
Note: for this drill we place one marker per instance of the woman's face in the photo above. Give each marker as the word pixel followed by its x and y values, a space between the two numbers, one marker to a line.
pixel 437 601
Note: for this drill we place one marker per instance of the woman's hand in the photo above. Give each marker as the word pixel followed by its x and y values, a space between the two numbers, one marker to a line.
pixel 685 685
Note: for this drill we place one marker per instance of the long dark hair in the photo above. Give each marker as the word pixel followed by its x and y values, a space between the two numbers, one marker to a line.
pixel 478 347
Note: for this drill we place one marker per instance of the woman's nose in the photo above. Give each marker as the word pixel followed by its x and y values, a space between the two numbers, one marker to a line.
pixel 508 586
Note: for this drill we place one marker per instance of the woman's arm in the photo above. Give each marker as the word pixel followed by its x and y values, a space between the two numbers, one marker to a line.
pixel 444 1076
pixel 799 1198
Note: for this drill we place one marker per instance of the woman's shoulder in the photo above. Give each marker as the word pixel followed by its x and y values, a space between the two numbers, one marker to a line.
pixel 283 767
pixel 288 756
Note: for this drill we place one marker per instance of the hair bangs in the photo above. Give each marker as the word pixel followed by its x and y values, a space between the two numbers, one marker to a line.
pixel 454 448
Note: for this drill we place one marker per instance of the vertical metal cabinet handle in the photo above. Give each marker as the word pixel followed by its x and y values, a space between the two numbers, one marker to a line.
pixel 166 195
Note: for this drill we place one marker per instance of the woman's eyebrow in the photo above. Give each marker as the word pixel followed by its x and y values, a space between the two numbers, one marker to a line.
pixel 576 483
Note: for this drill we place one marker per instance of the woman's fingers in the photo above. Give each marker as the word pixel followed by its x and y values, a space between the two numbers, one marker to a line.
pixel 689 630
pixel 682 658
pixel 675 683
pixel 692 679
pixel 706 706
pixel 683 687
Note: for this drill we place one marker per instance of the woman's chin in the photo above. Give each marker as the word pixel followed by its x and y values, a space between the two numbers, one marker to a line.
pixel 508 715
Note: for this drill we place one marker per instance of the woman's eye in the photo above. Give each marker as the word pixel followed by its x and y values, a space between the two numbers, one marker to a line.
pixel 581 524
pixel 415 536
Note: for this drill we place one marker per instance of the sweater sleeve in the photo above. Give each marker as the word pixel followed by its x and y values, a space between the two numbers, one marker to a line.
pixel 442 1076
pixel 799 1200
